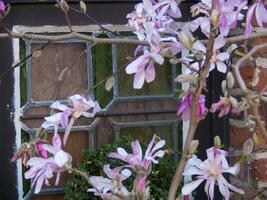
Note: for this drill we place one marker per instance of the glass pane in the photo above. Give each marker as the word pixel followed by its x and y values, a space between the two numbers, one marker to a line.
pixel 48 71
pixel 102 62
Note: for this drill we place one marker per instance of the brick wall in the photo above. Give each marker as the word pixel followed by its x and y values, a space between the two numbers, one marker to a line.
pixel 253 175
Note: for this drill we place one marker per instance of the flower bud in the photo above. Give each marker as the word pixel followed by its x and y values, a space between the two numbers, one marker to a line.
pixel 233 101
pixel 64 6
pixel 224 90
pixel 186 39
pixel 217 142
pixel 193 147
pixel 185 78
pixel 230 80
pixel 83 7
pixel 110 83
pixel 215 17
pixel 248 147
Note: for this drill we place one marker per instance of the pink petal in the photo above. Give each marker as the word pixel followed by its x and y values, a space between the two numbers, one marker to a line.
pixel 189 187
pixel 139 79
pixel 150 73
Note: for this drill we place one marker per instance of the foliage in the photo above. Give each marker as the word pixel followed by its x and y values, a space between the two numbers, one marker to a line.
pixel 93 161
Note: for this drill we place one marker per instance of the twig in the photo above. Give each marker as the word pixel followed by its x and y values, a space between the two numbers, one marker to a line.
pixel 69 68
pixel 74 35
pixel 193 117
pixel 254 104
pixel 22 61
pixel 93 20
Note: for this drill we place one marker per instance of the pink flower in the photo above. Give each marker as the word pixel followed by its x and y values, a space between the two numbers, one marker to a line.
pixel 229 15
pixel 102 186
pixel 218 58
pixel 42 152
pixel 143 68
pixel 261 16
pixel 169 7
pixel 185 107
pixel 136 159
pixel 224 106
pixel 42 169
pixel 80 106
pixel 211 170
pixel 2 7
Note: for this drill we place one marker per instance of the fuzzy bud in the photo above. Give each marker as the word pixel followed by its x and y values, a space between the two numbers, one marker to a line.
pixel 83 7
pixel 110 83
pixel 217 142
pixel 185 78
pixel 193 147
pixel 64 6
pixel 215 17
pixel 256 77
pixel 248 147
pixel 224 90
pixel 230 80
pixel 233 101
pixel 186 39
pixel 37 54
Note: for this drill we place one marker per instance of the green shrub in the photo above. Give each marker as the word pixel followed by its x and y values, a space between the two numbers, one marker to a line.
pixel 93 161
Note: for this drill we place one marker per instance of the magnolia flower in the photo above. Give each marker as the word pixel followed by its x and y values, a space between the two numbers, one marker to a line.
pixel 42 169
pixel 169 7
pixel 113 184
pixel 80 106
pixel 2 7
pixel 217 59
pixel 185 107
pixel 136 159
pixel 211 170
pixel 42 152
pixel 143 68
pixel 228 13
pixel 261 16
pixel 224 106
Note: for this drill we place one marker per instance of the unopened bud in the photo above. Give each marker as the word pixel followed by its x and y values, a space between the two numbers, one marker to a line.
pixel 217 142
pixel 185 78
pixel 233 101
pixel 248 147
pixel 173 61
pixel 193 147
pixel 186 39
pixel 110 83
pixel 256 77
pixel 224 90
pixel 37 54
pixel 230 80
pixel 83 7
pixel 64 6
pixel 215 17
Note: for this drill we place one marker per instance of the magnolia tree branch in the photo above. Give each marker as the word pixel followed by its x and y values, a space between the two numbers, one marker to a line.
pixel 76 35
pixel 193 118
pixel 248 94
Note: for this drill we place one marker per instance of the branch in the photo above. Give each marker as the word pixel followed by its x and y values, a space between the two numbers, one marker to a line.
pixel 254 104
pixel 22 61
pixel 69 68
pixel 73 35
pixel 193 118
